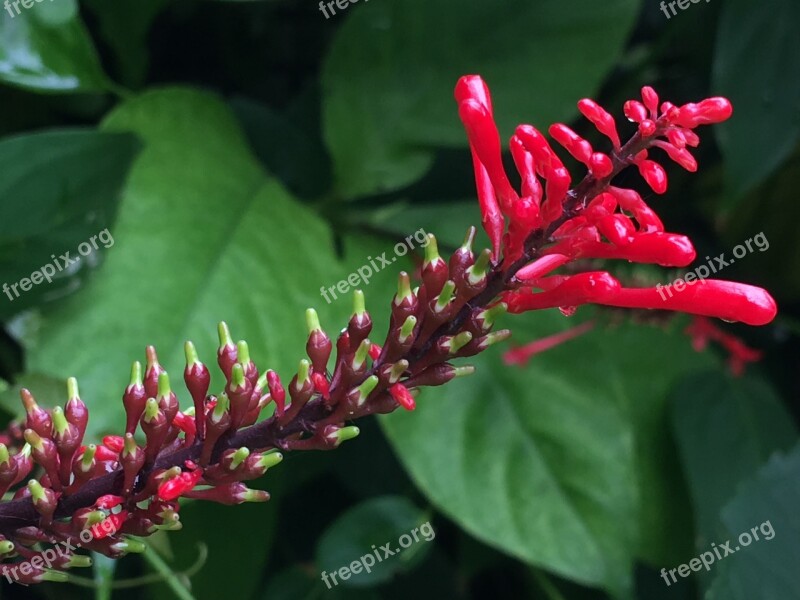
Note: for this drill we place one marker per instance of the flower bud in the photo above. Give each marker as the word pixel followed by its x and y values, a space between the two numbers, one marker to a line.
pixel 319 345
pixel 132 460
pixel 44 453
pixel 226 353
pixel 134 398
pixel 152 372
pixel 155 426
pixel 402 396
pixel 37 419
pixel 360 324
pixel 198 380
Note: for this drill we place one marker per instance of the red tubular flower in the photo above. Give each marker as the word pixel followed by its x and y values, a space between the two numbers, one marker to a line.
pixel 598 220
pixel 521 355
pixel 726 300
pixel 702 330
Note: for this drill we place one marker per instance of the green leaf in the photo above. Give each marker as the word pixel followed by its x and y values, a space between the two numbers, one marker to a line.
pixel 60 188
pixel 203 235
pixel 768 210
pixel 361 532
pixel 46 48
pixel 389 76
pixel 753 70
pixel 300 162
pixel 554 463
pixel 124 25
pixel 719 419
pixel 765 569
pixel 448 221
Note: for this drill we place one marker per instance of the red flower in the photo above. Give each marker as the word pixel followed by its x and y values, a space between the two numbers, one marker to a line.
pixel 549 226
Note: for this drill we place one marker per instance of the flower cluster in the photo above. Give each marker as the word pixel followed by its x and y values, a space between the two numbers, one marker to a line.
pixel 548 225
pixel 123 489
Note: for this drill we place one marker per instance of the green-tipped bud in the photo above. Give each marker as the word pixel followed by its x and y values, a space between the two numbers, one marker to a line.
pixel 303 370
pixel 60 423
pixel 494 337
pixel 459 341
pixel 398 368
pixel 72 388
pixel 361 354
pixel 130 546
pixel 237 376
pixel 261 383
pixel 190 412
pixel 191 354
pixel 270 459
pixel 490 315
pixel 469 239
pixel 6 546
pixel 150 409
pixel 403 288
pixel 37 491
pixel 407 328
pixel 78 561
pixel 94 517
pixel 463 371
pixel 431 251
pixel 239 457
pixel 249 495
pixel 223 404
pixel 32 438
pixel 4 457
pixel 243 352
pixel 88 457
pixel 164 388
pixel 477 272
pixel 365 389
pixel 312 320
pixel 445 296
pixel 136 373
pixel 26 450
pixel 53 575
pixel 359 303
pixel 172 521
pixel 224 334
pixel 130 447
pixel 343 434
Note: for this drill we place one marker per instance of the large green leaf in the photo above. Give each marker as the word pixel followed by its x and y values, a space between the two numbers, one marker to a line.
pixel 355 536
pixel 557 463
pixel 388 79
pixel 757 72
pixel 203 235
pixel 59 189
pixel 721 420
pixel 766 568
pixel 46 48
